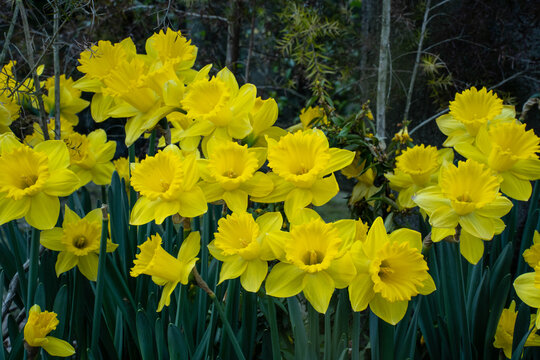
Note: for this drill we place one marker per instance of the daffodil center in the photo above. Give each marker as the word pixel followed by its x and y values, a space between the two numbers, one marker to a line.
pixel 385 271
pixel 313 257
pixel 80 242
pixel 28 180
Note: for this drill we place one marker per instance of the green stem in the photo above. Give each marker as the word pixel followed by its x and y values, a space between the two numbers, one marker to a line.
pixel 274 335
pixel 33 269
pixel 313 340
pixel 386 340
pixel 152 143
pixel 356 333
pixel 100 281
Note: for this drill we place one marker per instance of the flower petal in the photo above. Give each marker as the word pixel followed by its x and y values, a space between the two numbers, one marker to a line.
pixel 339 158
pixel 192 203
pixel 88 265
pixel 515 187
pixel 236 200
pixel 13 209
pixel 259 185
pixel 471 247
pixel 526 290
pixel 273 244
pixel 323 190
pixel 65 262
pixel 165 298
pixel 376 238
pixel 318 290
pixel 361 291
pixel 342 271
pixel 477 225
pixel 52 239
pixel 444 217
pixel 414 238
pixel 58 347
pixel 254 275
pixel 391 312
pixel 497 208
pixel 429 286
pixel 232 269
pixel 271 221
pixel 57 153
pixel 43 212
pixel 284 280
pixel 63 182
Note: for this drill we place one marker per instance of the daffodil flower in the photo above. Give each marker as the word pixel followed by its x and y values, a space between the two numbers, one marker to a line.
pixel 262 117
pixel 471 110
pixel 244 246
pixel 230 173
pixel 504 335
pixel 466 195
pixel 78 242
pixel 303 166
pixel 70 99
pixel 91 156
pixel 527 285
pixel 509 150
pixel 165 269
pixel 417 168
pixel 390 270
pixel 313 263
pixel 38 326
pixel 167 183
pixel 32 180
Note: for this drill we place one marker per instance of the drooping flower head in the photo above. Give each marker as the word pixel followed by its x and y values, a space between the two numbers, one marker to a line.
pixel 312 263
pixel 70 99
pixel 32 180
pixel 390 271
pixel 165 269
pixel 511 151
pixel 38 326
pixel 467 195
pixel 167 183
pixel 471 110
pixel 242 244
pixel 230 173
pixel 365 187
pixel 311 116
pixel 78 242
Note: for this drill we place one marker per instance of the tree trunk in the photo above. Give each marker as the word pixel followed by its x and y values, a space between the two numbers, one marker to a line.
pixel 382 82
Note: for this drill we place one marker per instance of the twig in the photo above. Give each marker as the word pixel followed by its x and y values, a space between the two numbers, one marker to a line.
pixel 9 33
pixel 35 76
pixel 56 50
pixel 416 62
pixel 251 37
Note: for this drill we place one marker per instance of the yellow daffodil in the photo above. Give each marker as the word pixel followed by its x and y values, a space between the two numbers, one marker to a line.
pixel 313 263
pixel 467 195
pixel 511 151
pixel 70 100
pixel 390 271
pixel 532 254
pixel 402 136
pixel 165 269
pixel 230 173
pixel 504 335
pixel 303 166
pixel 91 156
pixel 38 326
pixel 310 117
pixel 471 110
pixel 527 285
pixel 170 47
pixel 417 168
pixel 78 241
pixel 262 118
pixel 178 124
pixel 242 244
pixel 218 105
pixel 9 110
pixel 167 183
pixel 32 180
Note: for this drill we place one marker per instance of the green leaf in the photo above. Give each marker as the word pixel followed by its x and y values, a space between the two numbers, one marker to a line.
pixel 145 336
pixel 521 330
pixel 178 348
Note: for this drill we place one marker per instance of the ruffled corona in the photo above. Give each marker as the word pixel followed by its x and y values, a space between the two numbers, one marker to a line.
pixel 38 326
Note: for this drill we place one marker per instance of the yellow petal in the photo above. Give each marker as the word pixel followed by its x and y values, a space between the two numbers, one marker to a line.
pixel 413 238
pixel 192 203
pixel 212 191
pixel 515 187
pixel 52 239
pixel 43 212
pixel 361 291
pixel 259 185
pixel 65 262
pixel 240 127
pixel 57 153
pixel 526 290
pixel 527 169
pixel 281 189
pixel 297 199
pixel 95 216
pixel 437 234
pixel 190 246
pixel 143 211
pixel 273 244
pixel 165 298
pixel 429 286
pixel 102 173
pixel 232 269
pixel 58 347
pixel 254 275
pixel 477 225
pixel 391 312
pixel 244 101
pixel 339 158
pixel 13 209
pixel 63 182
pixel 342 271
pixel 323 190
pixel 318 290
pixel 376 238
pixel 271 221
pixel 471 247
pixel 444 217
pixel 470 152
pixel 236 200
pixel 430 199
pixel 88 265
pixel 497 208
pixel 100 107
pixel 284 280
